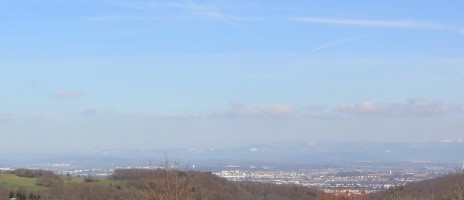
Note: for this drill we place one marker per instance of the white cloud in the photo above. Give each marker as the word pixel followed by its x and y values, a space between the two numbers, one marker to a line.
pixel 239 110
pixel 70 94
pixel 253 149
pixel 271 110
pixel 365 108
pixel 413 24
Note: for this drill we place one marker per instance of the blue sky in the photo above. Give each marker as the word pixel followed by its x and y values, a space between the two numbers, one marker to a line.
pixel 80 75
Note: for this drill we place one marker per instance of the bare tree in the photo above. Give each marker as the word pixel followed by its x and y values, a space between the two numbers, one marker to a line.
pixel 456 191
pixel 171 183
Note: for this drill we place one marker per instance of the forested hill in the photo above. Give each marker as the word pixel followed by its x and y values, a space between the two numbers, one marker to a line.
pixel 138 184
pixel 449 187
pixel 25 184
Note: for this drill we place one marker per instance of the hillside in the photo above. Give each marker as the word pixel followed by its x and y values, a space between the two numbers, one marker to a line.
pixel 144 184
pixel 192 185
pixel 449 187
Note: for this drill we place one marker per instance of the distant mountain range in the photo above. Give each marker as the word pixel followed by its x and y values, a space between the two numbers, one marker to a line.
pixel 277 153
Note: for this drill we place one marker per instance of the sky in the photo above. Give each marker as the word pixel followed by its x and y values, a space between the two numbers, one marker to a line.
pixel 147 74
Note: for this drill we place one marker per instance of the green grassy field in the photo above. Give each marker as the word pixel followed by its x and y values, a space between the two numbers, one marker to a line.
pixel 72 179
pixel 13 181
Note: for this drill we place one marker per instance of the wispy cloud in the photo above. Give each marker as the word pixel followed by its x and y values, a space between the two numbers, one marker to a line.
pixel 337 42
pixel 413 24
pixel 180 10
pixel 68 94
pixel 214 13
pixel 190 8
pixel 271 110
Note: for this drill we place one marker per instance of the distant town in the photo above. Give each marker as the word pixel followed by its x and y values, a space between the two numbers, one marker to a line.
pixel 358 178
